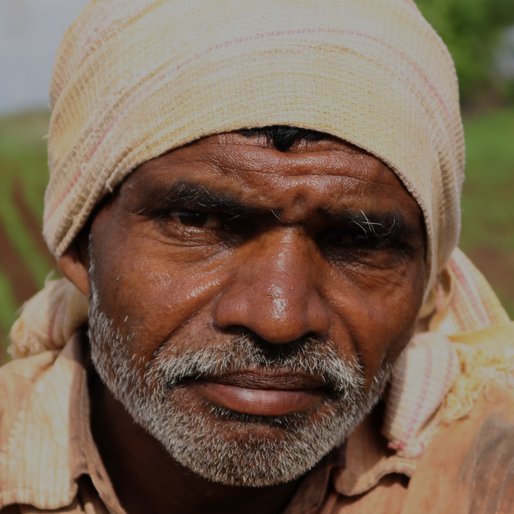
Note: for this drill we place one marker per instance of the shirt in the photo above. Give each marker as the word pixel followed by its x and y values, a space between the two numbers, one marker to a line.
pixel 49 460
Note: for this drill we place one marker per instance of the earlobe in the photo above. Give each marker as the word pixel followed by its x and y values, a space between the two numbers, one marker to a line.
pixel 73 264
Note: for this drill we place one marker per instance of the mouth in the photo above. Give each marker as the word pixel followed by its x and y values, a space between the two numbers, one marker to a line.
pixel 262 393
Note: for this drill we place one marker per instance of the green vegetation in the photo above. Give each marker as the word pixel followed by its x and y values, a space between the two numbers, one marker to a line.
pixel 488 206
pixel 488 209
pixel 471 28
pixel 23 262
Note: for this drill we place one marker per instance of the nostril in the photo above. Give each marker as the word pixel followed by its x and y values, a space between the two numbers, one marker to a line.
pixel 268 352
pixel 239 331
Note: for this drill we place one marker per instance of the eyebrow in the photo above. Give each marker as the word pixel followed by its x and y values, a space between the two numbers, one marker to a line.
pixel 380 224
pixel 191 195
pixel 194 196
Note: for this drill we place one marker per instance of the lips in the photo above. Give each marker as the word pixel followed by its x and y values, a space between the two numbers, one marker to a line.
pixel 267 380
pixel 262 393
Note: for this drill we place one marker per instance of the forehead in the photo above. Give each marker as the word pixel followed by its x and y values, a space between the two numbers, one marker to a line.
pixel 328 170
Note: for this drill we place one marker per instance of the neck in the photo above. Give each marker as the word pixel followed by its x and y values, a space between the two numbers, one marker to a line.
pixel 147 479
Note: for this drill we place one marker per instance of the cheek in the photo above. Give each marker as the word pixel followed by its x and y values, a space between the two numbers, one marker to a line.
pixel 150 296
pixel 377 320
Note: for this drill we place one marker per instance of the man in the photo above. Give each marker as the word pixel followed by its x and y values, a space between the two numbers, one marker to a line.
pixel 261 202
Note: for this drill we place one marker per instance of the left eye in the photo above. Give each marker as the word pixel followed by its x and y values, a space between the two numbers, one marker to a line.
pixel 356 241
pixel 196 219
pixel 368 242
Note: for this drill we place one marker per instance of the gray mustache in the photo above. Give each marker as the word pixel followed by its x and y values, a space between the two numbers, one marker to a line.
pixel 308 356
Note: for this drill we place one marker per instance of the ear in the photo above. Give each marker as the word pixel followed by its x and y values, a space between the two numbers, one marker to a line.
pixel 74 265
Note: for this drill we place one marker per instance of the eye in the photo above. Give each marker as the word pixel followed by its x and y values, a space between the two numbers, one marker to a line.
pixel 355 240
pixel 196 219
pixel 366 241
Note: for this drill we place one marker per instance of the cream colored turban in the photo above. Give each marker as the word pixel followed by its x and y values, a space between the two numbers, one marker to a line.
pixel 135 79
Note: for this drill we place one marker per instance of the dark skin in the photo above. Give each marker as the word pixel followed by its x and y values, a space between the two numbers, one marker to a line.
pixel 321 240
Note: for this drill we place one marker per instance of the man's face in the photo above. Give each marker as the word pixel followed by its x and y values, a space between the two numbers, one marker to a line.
pixel 247 304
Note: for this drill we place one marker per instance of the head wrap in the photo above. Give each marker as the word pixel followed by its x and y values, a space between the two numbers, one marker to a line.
pixel 136 79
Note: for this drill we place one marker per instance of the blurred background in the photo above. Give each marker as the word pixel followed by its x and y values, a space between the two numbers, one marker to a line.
pixel 479 33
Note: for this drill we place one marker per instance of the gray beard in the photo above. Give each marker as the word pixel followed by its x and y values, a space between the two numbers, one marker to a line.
pixel 261 450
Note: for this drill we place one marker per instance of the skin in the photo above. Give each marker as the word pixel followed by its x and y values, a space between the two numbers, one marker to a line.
pixel 305 258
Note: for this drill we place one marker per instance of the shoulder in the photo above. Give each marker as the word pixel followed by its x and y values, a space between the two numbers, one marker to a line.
pixel 487 468
pixel 26 370
pixel 469 465
pixel 17 380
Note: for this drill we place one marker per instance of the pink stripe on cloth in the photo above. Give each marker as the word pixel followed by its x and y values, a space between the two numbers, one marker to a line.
pixel 418 413
pixel 422 376
pixel 132 99
pixel 469 291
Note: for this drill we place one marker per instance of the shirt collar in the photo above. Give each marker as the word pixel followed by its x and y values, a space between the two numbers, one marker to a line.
pixel 368 458
pixel 49 445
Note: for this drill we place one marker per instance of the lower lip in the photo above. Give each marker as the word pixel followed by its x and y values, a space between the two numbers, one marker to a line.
pixel 259 402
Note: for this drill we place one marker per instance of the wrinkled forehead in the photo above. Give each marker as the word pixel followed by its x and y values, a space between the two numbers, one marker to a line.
pixel 273 151
pixel 300 175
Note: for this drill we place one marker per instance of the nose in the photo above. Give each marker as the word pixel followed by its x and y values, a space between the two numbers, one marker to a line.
pixel 274 289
